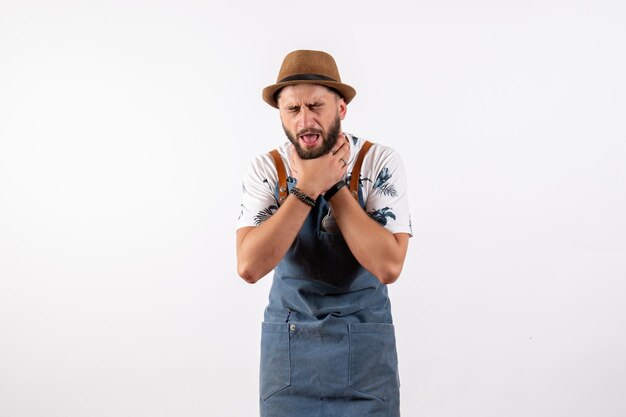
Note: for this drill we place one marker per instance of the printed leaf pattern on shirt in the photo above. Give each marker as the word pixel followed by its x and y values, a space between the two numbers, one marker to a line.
pixel 291 180
pixel 349 178
pixel 268 212
pixel 265 214
pixel 381 185
pixel 381 215
pixel 243 189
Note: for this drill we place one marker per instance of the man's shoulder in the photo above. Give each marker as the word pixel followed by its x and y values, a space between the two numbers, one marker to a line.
pixel 377 153
pixel 266 159
pixel 263 164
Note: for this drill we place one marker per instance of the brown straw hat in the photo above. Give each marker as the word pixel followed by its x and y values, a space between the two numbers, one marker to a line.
pixel 308 67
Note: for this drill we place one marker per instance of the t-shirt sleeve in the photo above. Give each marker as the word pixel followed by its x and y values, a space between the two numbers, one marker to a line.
pixel 386 189
pixel 258 201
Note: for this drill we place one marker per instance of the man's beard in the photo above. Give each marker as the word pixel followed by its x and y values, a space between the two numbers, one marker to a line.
pixel 328 141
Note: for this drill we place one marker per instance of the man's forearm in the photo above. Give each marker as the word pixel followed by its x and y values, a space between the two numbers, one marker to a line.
pixel 260 248
pixel 377 249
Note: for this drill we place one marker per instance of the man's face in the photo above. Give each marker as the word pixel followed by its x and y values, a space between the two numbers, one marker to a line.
pixel 311 116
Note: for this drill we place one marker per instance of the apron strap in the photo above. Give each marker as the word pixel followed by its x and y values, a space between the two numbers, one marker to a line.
pixel 356 172
pixel 356 169
pixel 282 176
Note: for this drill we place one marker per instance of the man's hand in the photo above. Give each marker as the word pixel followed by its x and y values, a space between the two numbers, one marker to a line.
pixel 316 176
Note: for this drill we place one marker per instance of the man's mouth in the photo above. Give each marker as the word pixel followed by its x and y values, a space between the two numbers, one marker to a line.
pixel 310 139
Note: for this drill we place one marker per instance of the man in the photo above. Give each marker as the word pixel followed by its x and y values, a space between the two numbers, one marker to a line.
pixel 328 344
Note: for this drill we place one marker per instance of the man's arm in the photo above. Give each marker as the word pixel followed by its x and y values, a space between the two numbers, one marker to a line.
pixel 376 248
pixel 260 248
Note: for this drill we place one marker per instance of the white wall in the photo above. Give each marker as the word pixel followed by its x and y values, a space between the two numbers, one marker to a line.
pixel 124 130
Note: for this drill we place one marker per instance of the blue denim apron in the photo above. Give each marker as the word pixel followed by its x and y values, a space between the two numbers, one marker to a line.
pixel 328 345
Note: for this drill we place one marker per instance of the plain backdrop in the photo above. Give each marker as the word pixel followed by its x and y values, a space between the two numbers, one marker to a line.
pixel 125 129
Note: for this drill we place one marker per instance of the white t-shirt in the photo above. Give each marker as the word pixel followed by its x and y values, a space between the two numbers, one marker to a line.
pixel 382 176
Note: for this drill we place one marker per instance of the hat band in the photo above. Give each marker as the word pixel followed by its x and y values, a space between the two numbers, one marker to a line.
pixel 306 77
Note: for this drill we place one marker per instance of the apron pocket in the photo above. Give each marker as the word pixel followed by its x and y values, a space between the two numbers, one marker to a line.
pixel 275 363
pixel 373 359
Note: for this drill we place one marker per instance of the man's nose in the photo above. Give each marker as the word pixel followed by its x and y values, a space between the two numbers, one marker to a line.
pixel 306 118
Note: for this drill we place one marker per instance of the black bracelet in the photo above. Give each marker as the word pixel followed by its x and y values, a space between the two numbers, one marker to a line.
pixel 302 196
pixel 333 190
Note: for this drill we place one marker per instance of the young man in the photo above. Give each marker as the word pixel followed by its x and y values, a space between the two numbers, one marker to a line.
pixel 330 215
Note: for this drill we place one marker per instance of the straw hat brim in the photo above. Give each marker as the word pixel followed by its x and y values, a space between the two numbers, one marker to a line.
pixel 269 92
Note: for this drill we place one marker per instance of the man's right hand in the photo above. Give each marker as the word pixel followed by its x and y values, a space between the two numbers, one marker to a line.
pixel 316 176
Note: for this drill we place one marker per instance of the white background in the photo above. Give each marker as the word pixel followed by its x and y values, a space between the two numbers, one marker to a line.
pixel 125 127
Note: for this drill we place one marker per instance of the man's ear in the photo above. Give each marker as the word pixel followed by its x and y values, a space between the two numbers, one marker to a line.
pixel 343 108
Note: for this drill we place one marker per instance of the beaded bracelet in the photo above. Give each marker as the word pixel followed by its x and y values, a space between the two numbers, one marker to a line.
pixel 302 196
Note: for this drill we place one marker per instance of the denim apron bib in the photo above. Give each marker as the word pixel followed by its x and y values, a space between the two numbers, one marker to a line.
pixel 327 344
